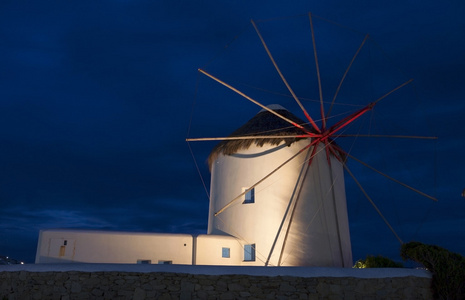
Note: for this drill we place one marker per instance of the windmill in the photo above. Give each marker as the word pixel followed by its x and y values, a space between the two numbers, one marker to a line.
pixel 278 181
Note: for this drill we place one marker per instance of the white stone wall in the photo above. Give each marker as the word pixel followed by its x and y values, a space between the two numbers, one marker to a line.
pixel 209 250
pixel 76 246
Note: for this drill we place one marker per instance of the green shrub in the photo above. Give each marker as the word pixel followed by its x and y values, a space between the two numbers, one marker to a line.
pixel 376 262
pixel 448 268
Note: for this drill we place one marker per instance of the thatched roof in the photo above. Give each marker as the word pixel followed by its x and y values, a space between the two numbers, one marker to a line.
pixel 263 123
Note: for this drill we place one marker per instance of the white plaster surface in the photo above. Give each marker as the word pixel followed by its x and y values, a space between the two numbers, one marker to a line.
pixel 299 217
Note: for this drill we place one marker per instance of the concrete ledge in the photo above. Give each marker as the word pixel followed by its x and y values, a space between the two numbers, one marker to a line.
pixel 305 272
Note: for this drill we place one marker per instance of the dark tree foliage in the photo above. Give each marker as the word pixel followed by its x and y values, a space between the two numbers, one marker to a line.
pixel 448 268
pixel 377 262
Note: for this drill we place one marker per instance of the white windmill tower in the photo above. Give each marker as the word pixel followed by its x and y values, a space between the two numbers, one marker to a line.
pixel 296 215
pixel 277 182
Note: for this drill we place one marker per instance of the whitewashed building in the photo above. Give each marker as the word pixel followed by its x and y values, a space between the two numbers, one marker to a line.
pixel 87 246
pixel 290 214
pixel 268 206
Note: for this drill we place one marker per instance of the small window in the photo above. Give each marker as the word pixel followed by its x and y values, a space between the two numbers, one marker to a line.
pixel 165 262
pixel 225 252
pixel 249 252
pixel 144 261
pixel 249 197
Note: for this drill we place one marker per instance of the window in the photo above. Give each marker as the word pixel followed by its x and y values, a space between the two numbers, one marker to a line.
pixel 225 252
pixel 165 262
pixel 144 261
pixel 249 197
pixel 249 252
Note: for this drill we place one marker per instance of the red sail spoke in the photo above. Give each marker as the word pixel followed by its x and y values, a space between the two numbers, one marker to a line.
pixel 349 119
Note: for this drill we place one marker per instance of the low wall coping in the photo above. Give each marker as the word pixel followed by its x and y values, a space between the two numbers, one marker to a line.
pixel 223 270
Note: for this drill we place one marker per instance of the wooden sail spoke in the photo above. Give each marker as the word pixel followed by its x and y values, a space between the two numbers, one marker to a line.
pixel 266 177
pixel 290 209
pixel 323 117
pixel 392 91
pixel 284 79
pixel 254 101
pixel 373 204
pixel 310 160
pixel 344 76
pixel 390 136
pixel 336 152
pixel 327 148
pixel 252 137
pixel 391 178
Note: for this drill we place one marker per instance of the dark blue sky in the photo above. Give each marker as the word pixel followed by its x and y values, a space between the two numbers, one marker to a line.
pixel 96 100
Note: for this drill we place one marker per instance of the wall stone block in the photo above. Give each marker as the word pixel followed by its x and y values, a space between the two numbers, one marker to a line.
pixel 69 285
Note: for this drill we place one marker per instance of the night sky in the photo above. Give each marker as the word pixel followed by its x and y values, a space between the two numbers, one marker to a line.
pixel 98 97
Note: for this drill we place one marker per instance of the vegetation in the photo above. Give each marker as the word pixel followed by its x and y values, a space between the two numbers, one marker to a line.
pixel 376 262
pixel 448 268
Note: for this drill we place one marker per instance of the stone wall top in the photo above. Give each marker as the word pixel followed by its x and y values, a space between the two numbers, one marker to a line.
pixel 305 272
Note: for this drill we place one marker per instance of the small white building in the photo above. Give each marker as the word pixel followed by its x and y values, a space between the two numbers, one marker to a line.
pixel 262 212
pixel 87 246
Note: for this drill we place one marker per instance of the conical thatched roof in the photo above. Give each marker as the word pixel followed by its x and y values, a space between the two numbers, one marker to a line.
pixel 263 123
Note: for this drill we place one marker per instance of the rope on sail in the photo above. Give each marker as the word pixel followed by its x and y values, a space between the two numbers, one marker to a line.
pixel 373 204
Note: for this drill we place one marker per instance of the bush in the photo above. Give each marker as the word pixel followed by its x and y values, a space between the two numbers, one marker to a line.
pixel 448 268
pixel 376 262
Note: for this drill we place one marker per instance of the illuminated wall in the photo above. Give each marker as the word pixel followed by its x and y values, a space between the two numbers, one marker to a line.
pixel 218 250
pixel 81 246
pixel 298 215
pixel 77 246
